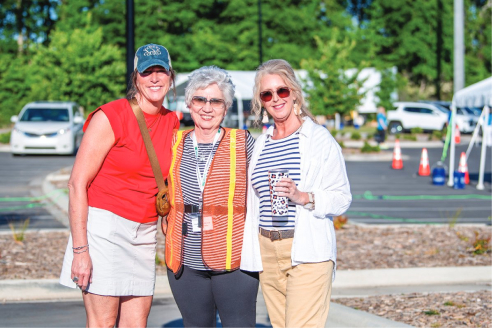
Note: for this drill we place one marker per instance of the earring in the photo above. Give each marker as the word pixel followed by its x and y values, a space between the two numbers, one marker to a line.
pixel 297 112
pixel 265 117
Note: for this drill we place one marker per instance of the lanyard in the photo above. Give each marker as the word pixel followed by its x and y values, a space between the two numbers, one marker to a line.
pixel 202 178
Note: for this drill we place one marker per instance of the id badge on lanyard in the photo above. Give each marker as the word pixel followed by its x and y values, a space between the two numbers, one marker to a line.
pixel 197 218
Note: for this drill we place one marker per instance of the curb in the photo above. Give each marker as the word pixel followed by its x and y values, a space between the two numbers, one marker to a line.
pixel 413 276
pixel 50 289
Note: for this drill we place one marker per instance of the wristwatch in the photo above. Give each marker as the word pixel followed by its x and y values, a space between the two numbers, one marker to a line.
pixel 310 205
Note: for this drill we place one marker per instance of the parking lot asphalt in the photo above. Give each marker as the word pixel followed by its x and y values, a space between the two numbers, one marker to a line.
pixel 347 284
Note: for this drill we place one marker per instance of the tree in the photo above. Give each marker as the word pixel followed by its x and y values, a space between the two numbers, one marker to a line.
pixel 387 87
pixel 332 84
pixel 27 22
pixel 78 66
pixel 14 89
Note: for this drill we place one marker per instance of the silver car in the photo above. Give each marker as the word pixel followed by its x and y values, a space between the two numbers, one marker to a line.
pixel 47 127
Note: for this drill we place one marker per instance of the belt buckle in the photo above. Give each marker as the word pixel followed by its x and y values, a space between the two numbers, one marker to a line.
pixel 276 236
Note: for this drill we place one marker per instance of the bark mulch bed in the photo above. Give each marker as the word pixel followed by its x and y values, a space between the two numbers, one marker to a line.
pixel 40 256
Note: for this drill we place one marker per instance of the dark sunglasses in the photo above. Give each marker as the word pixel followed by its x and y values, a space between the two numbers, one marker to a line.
pixel 282 92
pixel 200 102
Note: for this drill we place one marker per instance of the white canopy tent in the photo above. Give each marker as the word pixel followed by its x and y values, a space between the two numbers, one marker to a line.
pixel 476 95
pixel 243 81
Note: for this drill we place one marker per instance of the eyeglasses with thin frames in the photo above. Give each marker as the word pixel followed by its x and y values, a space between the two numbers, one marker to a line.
pixel 282 92
pixel 215 103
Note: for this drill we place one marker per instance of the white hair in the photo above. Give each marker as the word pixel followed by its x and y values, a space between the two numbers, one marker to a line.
pixel 203 77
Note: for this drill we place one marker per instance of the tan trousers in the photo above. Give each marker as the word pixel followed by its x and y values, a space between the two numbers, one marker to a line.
pixel 295 296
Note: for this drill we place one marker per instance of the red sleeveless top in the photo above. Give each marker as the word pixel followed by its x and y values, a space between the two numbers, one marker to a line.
pixel 125 183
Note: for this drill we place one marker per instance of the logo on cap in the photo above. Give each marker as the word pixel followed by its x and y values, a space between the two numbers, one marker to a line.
pixel 151 50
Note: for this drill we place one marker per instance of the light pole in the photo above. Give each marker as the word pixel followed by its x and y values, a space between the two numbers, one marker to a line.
pixel 130 39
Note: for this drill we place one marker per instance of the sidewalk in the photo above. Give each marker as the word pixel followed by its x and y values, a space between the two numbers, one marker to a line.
pixel 359 283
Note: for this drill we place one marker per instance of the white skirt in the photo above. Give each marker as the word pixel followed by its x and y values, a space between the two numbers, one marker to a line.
pixel 122 254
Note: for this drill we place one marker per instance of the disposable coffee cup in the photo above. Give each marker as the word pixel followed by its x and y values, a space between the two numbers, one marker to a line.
pixel 280 205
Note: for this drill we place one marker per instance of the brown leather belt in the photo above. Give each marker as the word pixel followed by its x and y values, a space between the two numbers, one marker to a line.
pixel 277 234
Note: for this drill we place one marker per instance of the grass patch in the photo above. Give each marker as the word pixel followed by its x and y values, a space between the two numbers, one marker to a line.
pixel 432 312
pixel 410 137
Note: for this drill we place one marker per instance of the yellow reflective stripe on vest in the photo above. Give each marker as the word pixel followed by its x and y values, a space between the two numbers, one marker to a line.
pixel 179 136
pixel 230 204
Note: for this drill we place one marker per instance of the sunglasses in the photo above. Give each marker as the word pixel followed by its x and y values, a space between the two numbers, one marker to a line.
pixel 282 92
pixel 200 102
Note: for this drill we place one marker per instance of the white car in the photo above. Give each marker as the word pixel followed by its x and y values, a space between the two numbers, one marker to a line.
pixel 47 127
pixel 465 119
pixel 428 117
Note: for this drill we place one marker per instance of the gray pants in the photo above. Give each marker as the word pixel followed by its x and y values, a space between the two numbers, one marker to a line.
pixel 200 294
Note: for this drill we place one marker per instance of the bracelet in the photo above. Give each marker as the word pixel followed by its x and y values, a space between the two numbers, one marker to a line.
pixel 85 250
pixel 80 247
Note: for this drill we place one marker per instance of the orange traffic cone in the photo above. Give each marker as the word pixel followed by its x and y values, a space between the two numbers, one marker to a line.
pixel 397 160
pixel 463 167
pixel 457 135
pixel 424 168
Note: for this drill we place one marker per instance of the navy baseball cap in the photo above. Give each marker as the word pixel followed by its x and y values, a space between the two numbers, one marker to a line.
pixel 151 55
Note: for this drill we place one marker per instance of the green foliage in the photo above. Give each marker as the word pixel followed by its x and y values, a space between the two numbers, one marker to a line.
pixel 355 135
pixel 367 148
pixel 331 87
pixel 410 137
pixel 481 244
pixel 5 138
pixel 14 86
pixel 437 134
pixel 387 88
pixel 416 130
pixel 328 37
pixel 432 312
pixel 404 35
pixel 78 66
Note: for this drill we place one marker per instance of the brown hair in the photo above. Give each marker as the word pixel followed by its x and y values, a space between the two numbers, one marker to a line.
pixel 283 69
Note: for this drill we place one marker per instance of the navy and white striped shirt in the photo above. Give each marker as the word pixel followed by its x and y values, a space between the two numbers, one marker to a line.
pixel 192 257
pixel 277 154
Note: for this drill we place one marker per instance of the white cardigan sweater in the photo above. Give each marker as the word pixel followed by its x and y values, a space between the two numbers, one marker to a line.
pixel 323 173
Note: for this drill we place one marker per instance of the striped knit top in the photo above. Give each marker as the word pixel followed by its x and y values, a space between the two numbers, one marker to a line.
pixel 192 255
pixel 277 154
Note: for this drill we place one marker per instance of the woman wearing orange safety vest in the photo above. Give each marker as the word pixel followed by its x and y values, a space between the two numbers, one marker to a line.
pixel 207 189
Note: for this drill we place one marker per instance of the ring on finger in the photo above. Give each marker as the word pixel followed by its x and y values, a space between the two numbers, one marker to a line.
pixel 75 279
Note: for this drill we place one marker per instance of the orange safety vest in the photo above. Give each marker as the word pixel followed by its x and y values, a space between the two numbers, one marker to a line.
pixel 224 204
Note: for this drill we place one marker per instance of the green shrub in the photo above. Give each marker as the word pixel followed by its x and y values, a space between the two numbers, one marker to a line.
pixel 416 130
pixel 341 144
pixel 367 148
pixel 436 134
pixel 5 138
pixel 355 136
pixel 410 137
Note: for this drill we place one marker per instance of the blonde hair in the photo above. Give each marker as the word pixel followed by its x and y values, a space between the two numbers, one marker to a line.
pixel 283 69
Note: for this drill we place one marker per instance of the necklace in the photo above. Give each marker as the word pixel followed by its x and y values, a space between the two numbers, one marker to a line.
pixel 153 123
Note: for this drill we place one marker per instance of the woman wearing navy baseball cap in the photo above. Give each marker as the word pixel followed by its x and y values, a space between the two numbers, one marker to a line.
pixel 111 251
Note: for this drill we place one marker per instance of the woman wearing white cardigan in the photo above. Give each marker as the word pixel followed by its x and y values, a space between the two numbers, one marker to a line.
pixel 295 253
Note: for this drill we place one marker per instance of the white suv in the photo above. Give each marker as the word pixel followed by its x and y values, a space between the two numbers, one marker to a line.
pixel 47 127
pixel 428 117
